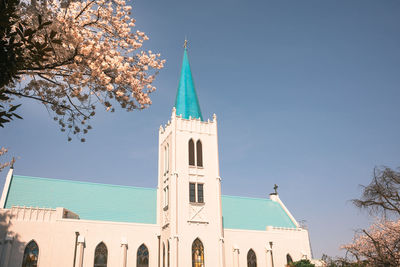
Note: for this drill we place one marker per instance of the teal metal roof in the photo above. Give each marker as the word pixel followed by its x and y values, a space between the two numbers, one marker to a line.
pixel 253 213
pixel 104 202
pixel 90 201
pixel 186 102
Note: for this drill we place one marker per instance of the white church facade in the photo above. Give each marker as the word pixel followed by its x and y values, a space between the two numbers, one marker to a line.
pixel 184 222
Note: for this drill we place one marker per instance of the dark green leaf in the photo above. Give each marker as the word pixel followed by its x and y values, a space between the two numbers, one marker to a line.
pixel 13 108
pixel 47 23
pixel 29 32
pixel 52 34
pixel 17 116
pixel 56 41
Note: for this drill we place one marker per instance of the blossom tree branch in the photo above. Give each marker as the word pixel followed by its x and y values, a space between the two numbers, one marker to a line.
pixel 79 55
pixel 379 246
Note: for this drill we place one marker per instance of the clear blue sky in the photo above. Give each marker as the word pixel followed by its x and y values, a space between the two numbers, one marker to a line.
pixel 306 93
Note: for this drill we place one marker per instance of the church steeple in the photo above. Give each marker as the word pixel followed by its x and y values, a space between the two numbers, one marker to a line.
pixel 186 102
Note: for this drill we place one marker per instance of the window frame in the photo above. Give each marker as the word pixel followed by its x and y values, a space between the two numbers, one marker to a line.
pixel 251 255
pixel 163 255
pixel 198 245
pixel 166 158
pixel 100 246
pixel 195 198
pixel 31 247
pixel 190 192
pixel 168 254
pixel 195 153
pixel 166 197
pixel 142 257
pixel 198 192
pixel 192 153
pixel 199 154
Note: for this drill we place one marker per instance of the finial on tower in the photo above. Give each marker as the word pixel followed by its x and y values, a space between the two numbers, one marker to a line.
pixel 276 189
pixel 185 43
pixel 12 163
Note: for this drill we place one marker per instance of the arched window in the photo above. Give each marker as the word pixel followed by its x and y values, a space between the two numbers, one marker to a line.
pixel 199 153
pixel 168 255
pixel 100 255
pixel 142 256
pixel 31 255
pixel 191 152
pixel 166 159
pixel 197 253
pixel 163 254
pixel 288 258
pixel 251 259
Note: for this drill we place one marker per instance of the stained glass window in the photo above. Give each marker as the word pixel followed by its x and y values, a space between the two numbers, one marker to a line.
pixel 100 255
pixel 191 152
pixel 197 253
pixel 251 259
pixel 200 195
pixel 142 256
pixel 199 153
pixel 192 192
pixel 31 255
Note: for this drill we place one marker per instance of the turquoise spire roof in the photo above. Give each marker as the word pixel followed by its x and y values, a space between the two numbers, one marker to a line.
pixel 186 102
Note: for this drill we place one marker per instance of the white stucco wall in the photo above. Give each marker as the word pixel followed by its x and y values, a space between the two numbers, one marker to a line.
pixel 56 240
pixel 284 241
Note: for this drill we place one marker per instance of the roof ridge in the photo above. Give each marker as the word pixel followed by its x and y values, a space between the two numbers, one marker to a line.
pixel 252 198
pixel 83 182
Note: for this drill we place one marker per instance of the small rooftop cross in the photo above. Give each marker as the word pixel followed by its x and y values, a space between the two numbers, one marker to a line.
pixel 276 189
pixel 12 163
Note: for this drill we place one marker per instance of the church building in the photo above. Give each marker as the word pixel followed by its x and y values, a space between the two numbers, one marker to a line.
pixel 184 222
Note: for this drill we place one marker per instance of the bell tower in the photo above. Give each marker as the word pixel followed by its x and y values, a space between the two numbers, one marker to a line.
pixel 189 185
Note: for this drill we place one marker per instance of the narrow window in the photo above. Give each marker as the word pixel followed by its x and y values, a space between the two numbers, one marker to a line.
pixel 166 157
pixel 251 259
pixel 200 195
pixel 197 253
pixel 165 160
pixel 199 154
pixel 288 259
pixel 163 254
pixel 100 255
pixel 166 197
pixel 168 255
pixel 31 255
pixel 142 256
pixel 192 192
pixel 191 152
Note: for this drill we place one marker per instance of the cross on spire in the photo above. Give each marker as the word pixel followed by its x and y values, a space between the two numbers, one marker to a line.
pixel 185 43
pixel 276 189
